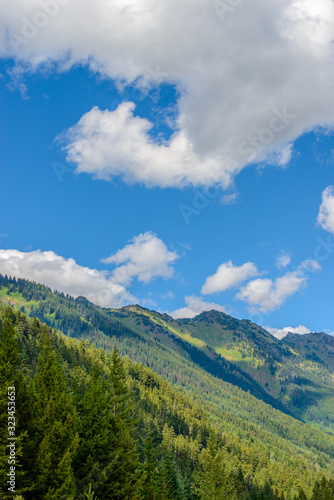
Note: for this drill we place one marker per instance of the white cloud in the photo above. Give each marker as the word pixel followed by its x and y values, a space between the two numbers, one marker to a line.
pixel 229 276
pixel 168 295
pixel 265 295
pixel 281 158
pixel 66 276
pixel 229 199
pixel 280 333
pixel 309 266
pixel 326 212
pixel 195 305
pixel 116 143
pixel 146 258
pixel 246 69
pixel 283 260
pixel 149 302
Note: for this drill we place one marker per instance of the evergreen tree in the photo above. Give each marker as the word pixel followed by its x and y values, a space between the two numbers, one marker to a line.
pixel 169 488
pixel 94 458
pixel 55 426
pixel 12 398
pixel 301 495
pixel 89 495
pixel 124 476
pixel 150 486
pixel 323 490
pixel 187 481
pixel 212 482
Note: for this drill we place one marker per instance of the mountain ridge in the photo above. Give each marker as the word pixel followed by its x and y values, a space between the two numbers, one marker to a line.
pixel 294 375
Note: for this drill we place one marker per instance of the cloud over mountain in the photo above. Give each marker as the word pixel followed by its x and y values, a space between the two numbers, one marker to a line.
pixel 194 306
pixel 280 333
pixel 146 258
pixel 65 275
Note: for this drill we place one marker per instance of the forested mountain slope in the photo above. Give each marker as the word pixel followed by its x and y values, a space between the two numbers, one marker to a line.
pixel 210 381
pixel 88 421
pixel 297 372
pixel 147 341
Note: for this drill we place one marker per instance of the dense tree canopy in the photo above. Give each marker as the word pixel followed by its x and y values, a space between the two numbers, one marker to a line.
pixel 93 424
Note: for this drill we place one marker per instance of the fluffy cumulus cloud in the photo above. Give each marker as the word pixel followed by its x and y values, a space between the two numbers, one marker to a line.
pixel 229 276
pixel 264 294
pixel 242 87
pixel 326 212
pixel 116 143
pixel 280 333
pixel 66 276
pixel 146 258
pixel 196 305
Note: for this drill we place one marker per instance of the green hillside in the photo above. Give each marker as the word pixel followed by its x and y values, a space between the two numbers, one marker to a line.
pixel 294 375
pixel 297 372
pixel 155 441
pixel 288 452
pixel 147 340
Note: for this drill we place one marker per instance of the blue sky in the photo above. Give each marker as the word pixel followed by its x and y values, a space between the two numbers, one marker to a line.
pixel 141 165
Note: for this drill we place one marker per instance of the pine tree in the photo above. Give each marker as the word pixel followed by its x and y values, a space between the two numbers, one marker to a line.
pixel 123 473
pixel 212 482
pixel 94 458
pixel 323 490
pixel 301 495
pixel 169 487
pixel 187 480
pixel 89 495
pixel 12 401
pixel 150 478
pixel 55 425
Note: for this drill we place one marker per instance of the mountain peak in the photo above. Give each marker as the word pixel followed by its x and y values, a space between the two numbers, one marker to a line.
pixel 211 316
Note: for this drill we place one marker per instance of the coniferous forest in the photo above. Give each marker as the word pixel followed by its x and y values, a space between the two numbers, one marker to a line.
pixel 93 422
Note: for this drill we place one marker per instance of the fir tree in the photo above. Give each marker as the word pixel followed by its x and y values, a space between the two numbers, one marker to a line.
pixel 89 495
pixel 12 400
pixel 94 458
pixel 150 479
pixel 124 476
pixel 323 490
pixel 55 437
pixel 212 482
pixel 169 487
pixel 301 495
